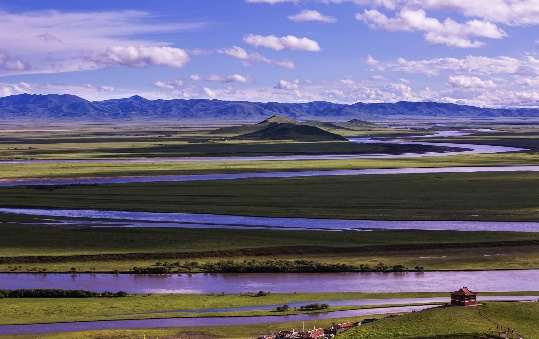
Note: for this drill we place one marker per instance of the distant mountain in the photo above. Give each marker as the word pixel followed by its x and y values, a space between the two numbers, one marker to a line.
pixel 73 108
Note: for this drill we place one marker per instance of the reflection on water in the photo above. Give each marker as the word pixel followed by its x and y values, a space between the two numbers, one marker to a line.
pixel 191 322
pixel 187 220
pixel 207 283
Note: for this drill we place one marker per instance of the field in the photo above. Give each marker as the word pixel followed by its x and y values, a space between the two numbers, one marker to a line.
pixel 31 244
pixel 443 323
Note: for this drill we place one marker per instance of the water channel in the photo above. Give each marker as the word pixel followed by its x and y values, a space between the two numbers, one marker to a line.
pixel 230 283
pixel 191 322
pixel 500 281
pixel 127 219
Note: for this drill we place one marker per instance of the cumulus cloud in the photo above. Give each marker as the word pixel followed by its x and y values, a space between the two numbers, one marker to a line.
pixel 209 93
pixel 511 12
pixel 287 85
pixel 478 65
pixel 311 15
pixel 8 63
pixel 448 32
pixel 241 54
pixel 53 41
pixel 13 89
pixel 141 56
pixel 467 82
pixel 289 42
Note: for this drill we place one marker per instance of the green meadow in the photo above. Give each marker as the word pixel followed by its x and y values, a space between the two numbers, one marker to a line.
pixel 485 321
pixel 32 244
pixel 492 196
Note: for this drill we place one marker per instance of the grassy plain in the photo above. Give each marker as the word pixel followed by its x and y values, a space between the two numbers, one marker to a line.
pixel 455 322
pixel 50 310
pixel 444 196
pixel 25 248
pixel 474 196
pixel 141 306
pixel 438 323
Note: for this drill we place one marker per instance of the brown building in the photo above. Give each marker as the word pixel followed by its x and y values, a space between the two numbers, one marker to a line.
pixel 463 297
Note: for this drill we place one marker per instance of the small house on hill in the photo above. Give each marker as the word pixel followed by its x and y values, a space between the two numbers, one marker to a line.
pixel 463 297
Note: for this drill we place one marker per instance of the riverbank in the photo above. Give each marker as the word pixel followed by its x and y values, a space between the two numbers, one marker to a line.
pixel 41 248
pixel 520 317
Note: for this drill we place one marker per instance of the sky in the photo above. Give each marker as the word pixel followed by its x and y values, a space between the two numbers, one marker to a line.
pixel 474 52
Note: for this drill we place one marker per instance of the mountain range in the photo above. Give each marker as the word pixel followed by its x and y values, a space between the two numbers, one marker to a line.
pixel 73 108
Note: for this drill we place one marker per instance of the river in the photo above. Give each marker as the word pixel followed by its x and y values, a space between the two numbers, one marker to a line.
pixel 195 322
pixel 207 283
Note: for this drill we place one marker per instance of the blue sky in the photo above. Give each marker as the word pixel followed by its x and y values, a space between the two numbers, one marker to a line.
pixel 474 52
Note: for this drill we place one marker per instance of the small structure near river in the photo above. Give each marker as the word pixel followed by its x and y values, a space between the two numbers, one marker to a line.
pixel 463 297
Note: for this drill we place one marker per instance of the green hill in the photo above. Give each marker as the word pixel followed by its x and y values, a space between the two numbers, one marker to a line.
pixel 280 128
pixel 290 131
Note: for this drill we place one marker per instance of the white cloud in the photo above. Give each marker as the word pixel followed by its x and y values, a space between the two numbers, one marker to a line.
pixel 6 62
pixel 209 93
pixel 234 52
pixel 106 89
pixel 311 15
pixel 241 54
pixel 140 56
pixel 460 81
pixel 289 42
pixel 168 84
pixel 228 79
pixel 287 85
pixel 87 91
pixel 13 89
pixel 448 32
pixel 452 41
pixel 237 78
pixel 53 41
pixel 532 81
pixel 511 12
pixel 478 65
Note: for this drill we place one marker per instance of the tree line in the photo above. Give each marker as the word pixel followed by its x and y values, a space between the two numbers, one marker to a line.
pixel 58 293
pixel 268 266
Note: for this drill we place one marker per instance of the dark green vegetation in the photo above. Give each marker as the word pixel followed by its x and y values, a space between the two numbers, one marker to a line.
pixel 25 248
pixel 57 293
pixel 438 323
pixel 93 141
pixel 143 306
pixel 280 128
pixel 268 266
pixel 445 196
pixel 455 323
pixel 528 139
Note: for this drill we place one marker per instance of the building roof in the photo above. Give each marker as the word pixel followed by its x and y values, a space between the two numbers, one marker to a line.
pixel 464 291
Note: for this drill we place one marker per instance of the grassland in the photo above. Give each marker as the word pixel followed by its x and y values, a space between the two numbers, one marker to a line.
pixel 161 306
pixel 455 322
pixel 438 323
pixel 50 310
pixel 444 196
pixel 25 248
pixel 471 196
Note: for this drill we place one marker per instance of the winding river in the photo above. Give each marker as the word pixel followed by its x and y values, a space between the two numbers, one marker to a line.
pixel 510 280
pixel 207 283
pixel 127 219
